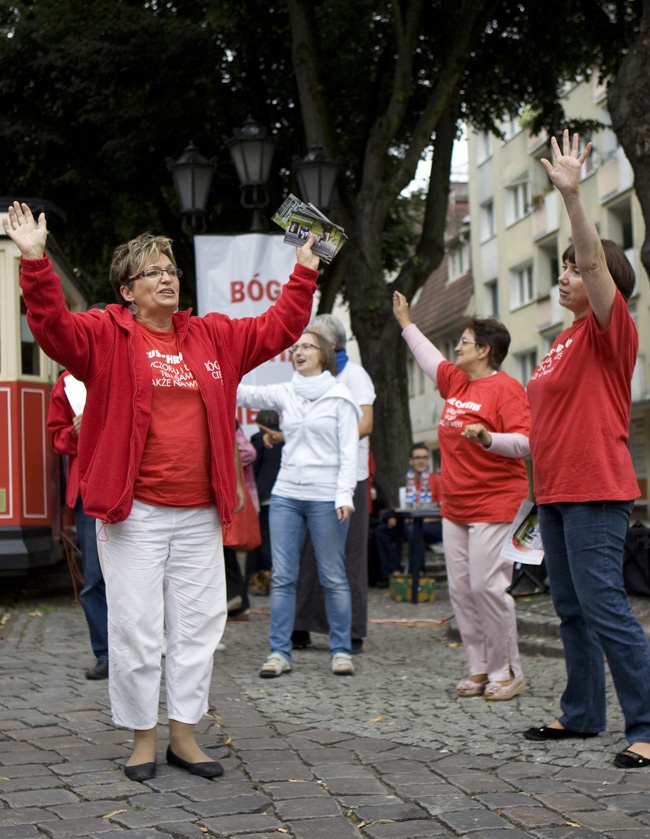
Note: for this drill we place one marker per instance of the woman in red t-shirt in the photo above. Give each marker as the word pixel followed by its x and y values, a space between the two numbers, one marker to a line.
pixel 482 488
pixel 585 484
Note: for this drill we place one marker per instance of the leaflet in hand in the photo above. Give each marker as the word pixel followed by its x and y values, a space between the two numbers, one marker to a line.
pixel 298 220
pixel 524 542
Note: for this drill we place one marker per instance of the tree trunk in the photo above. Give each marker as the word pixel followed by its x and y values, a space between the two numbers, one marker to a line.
pixel 629 106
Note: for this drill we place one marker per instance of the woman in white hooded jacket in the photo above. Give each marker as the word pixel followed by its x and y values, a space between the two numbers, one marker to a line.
pixel 314 490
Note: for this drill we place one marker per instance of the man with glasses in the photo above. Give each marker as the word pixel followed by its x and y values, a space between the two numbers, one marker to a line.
pixel 389 538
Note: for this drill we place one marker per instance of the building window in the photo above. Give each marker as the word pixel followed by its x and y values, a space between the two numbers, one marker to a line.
pixel 458 261
pixel 491 298
pixel 522 286
pixel 488 228
pixel 483 146
pixel 517 201
pixel 510 127
pixel 525 363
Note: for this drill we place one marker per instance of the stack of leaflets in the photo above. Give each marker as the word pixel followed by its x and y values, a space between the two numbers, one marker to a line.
pixel 299 220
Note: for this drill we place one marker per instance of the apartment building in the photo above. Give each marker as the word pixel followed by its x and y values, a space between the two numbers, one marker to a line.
pixel 518 232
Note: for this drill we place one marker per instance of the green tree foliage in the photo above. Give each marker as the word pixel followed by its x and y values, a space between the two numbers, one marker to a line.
pixel 94 97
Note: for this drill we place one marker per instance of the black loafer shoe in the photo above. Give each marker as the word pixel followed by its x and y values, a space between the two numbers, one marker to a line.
pixel 544 732
pixel 356 646
pixel 300 639
pixel 206 769
pixel 140 772
pixel 627 759
pixel 99 671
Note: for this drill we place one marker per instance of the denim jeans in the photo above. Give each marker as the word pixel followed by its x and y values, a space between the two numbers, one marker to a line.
pixel 289 519
pixel 93 592
pixel 389 541
pixel 583 547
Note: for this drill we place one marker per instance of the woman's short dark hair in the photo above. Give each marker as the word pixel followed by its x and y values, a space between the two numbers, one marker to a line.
pixel 270 419
pixel 327 356
pixel 618 264
pixel 131 257
pixel 492 334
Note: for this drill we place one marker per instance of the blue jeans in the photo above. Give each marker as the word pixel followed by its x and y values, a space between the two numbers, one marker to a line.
pixel 93 593
pixel 289 519
pixel 583 548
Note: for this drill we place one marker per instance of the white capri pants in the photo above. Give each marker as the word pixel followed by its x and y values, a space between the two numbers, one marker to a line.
pixel 163 566
pixel 485 613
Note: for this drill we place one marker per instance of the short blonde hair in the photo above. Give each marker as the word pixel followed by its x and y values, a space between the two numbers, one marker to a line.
pixel 131 257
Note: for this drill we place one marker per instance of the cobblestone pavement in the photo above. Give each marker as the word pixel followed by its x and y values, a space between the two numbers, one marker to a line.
pixel 391 753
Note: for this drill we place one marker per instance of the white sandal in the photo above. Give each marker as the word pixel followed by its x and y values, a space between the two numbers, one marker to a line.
pixel 468 687
pixel 342 664
pixel 494 692
pixel 275 665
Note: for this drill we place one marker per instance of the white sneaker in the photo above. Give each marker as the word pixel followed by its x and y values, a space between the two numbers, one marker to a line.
pixel 342 664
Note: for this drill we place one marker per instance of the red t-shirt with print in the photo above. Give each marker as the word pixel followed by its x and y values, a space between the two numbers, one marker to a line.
pixel 478 486
pixel 175 463
pixel 580 401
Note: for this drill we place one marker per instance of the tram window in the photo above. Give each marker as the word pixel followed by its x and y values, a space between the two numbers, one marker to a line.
pixel 29 351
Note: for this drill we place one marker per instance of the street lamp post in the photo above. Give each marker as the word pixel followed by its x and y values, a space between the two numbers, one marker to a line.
pixel 316 174
pixel 192 175
pixel 251 150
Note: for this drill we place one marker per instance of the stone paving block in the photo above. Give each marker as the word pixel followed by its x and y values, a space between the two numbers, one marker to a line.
pixel 476 782
pixel 436 804
pixel 27 755
pixel 119 790
pixel 390 807
pixel 292 809
pixel 326 771
pixel 27 783
pixel 179 781
pixel 280 772
pixel 464 821
pixel 568 801
pixel 542 786
pixel 501 800
pixel 323 756
pixel 326 737
pixel 151 817
pixel 405 830
pixel 629 834
pixel 184 830
pixel 301 789
pixel 516 771
pixel 20 831
pixel 356 786
pixel 633 803
pixel 254 756
pixel 370 745
pixel 44 733
pixel 335 828
pixel 260 744
pixel 240 733
pixel 252 803
pixel 529 817
pixel 86 809
pixel 605 820
pixel 567 831
pixel 225 826
pixel 142 833
pixel 28 815
pixel 38 798
pixel 386 766
pixel 79 827
pixel 498 833
pixel 25 770
pixel 80 767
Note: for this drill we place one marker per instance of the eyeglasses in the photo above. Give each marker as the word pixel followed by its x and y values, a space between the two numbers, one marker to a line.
pixel 467 341
pixel 297 347
pixel 156 274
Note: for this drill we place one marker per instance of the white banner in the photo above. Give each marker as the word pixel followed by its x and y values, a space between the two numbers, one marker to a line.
pixel 241 276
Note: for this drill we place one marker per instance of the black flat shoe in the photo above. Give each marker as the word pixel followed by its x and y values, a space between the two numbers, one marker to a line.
pixel 627 759
pixel 206 769
pixel 140 772
pixel 99 671
pixel 300 639
pixel 544 732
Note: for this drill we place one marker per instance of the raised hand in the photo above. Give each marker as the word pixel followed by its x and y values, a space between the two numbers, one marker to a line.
pixel 565 174
pixel 28 235
pixel 401 309
pixel 305 256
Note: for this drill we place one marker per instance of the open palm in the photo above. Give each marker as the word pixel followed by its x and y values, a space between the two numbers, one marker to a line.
pixel 29 235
